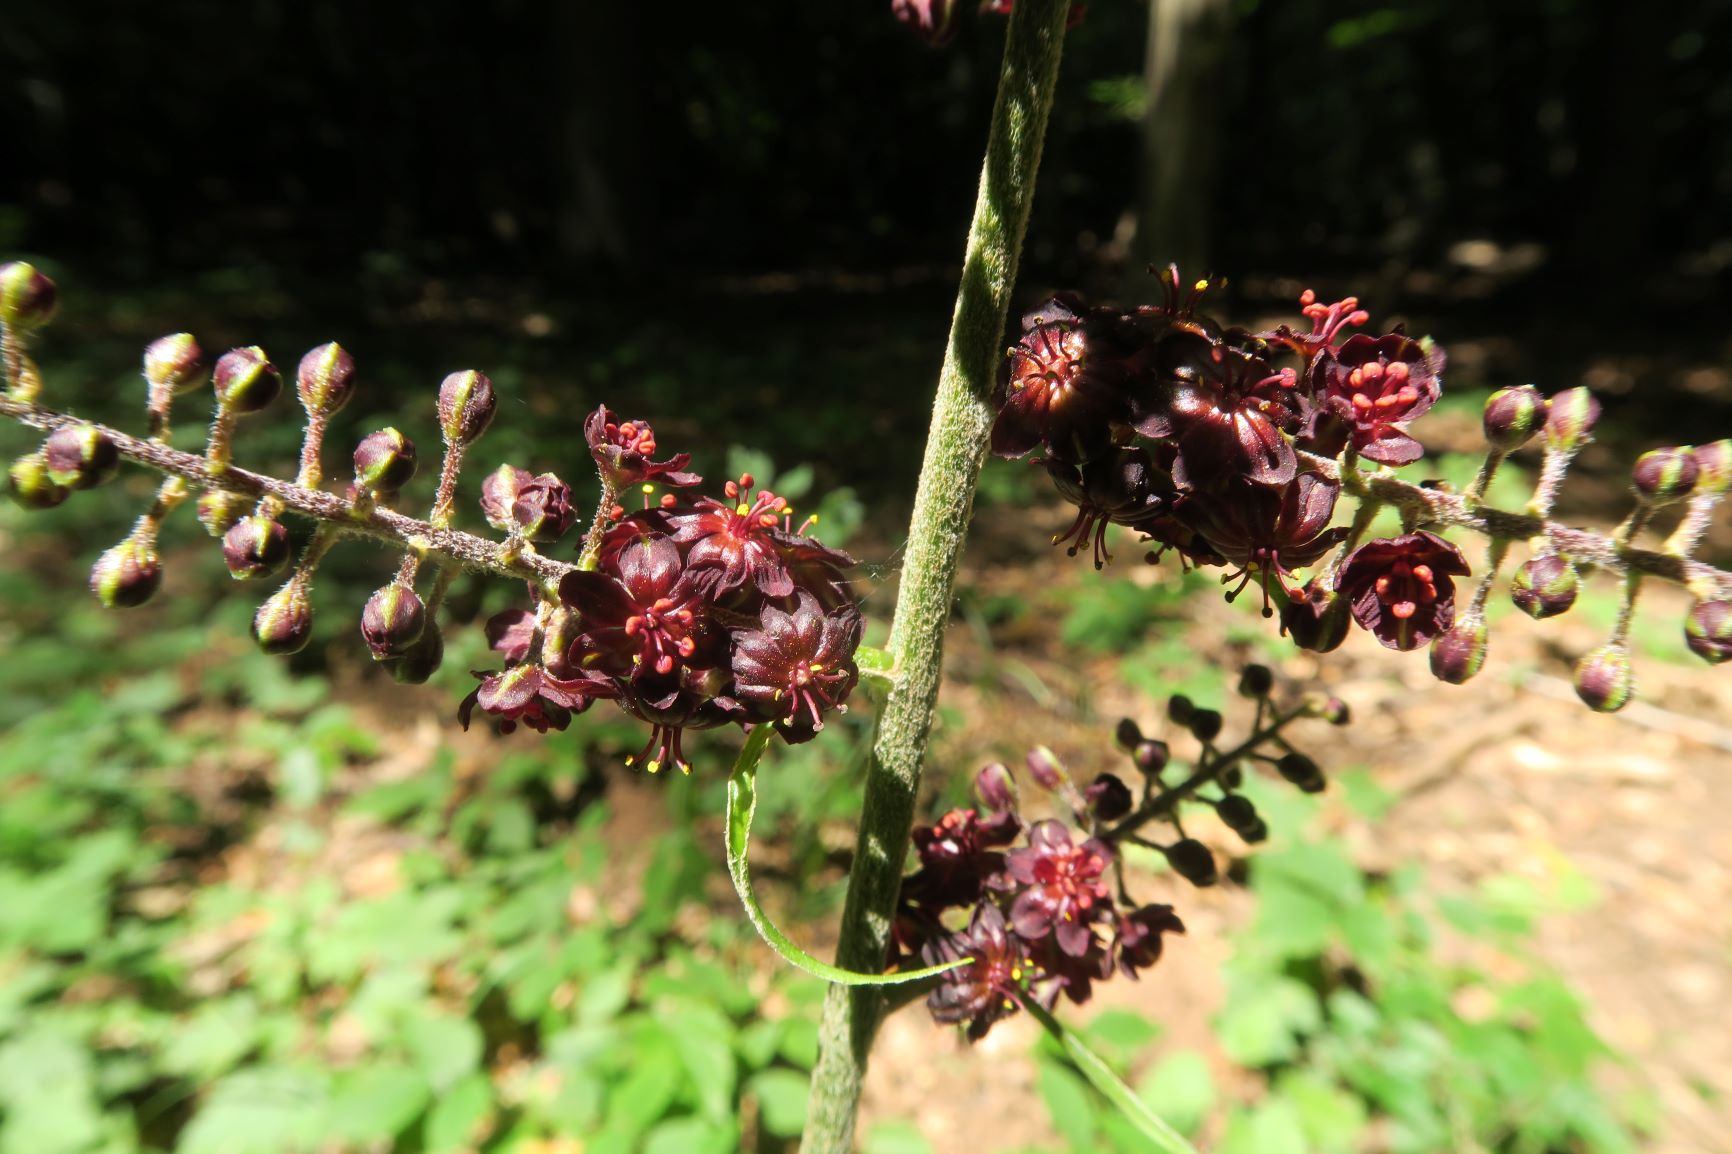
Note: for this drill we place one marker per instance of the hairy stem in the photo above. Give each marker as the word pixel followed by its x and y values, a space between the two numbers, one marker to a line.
pixel 955 450
pixel 462 549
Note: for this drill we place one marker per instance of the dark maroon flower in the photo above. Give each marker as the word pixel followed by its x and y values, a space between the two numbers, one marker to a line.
pixel 1376 385
pixel 1056 972
pixel 646 616
pixel 1267 530
pixel 622 450
pixel 1139 937
pixel 1121 488
pixel 1227 412
pixel 511 634
pixel 987 989
pixel 1327 323
pixel 731 544
pixel 959 858
pixel 1063 890
pixel 1109 798
pixel 798 665
pixel 1400 588
pixel 1067 382
pixel 529 695
pixel 536 507
pixel 673 704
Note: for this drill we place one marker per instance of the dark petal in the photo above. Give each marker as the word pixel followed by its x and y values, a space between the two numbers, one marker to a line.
pixel 466 709
pixel 649 567
pixel 1389 446
pixel 1073 937
pixel 510 691
pixel 1266 448
pixel 599 599
pixel 510 634
pixel 1049 835
pixel 1014 434
pixel 1030 916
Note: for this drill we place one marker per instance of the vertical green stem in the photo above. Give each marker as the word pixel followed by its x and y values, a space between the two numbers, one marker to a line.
pixel 955 450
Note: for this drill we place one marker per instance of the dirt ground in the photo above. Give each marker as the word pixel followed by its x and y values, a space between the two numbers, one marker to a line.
pixel 1508 774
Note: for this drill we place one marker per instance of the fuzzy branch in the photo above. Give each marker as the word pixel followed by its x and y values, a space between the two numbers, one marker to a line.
pixel 463 549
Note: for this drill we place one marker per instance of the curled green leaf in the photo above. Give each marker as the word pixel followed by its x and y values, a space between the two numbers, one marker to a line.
pixel 742 804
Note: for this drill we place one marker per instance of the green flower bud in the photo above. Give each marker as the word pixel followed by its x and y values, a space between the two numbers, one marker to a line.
pixel 1604 681
pixel 1708 631
pixel 466 405
pixel 1456 656
pixel 1192 861
pixel 245 380
pixel 1662 476
pixel 175 363
pixel 326 379
pixel 31 487
pixel 384 461
pixel 27 298
pixel 80 457
pixel 392 620
pixel 1513 416
pixel 1545 586
pixel 255 548
pixel 219 509
pixel 284 623
pixel 1570 418
pixel 127 575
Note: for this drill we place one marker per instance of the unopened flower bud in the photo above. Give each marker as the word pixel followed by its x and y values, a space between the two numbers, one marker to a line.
pixel 392 620
pixel 466 404
pixel 1456 656
pixel 219 509
pixel 1108 798
pixel 1240 816
pixel 384 461
pixel 31 487
pixel 420 660
pixel 1048 772
pixel 538 508
pixel 1150 756
pixel 1179 709
pixel 1604 681
pixel 1318 624
pixel 325 379
pixel 996 788
pixel 1570 418
pixel 245 380
pixel 255 548
pixel 1128 734
pixel 1192 861
pixel 1708 630
pixel 27 298
pixel 1513 416
pixel 175 363
pixel 1330 709
pixel 127 575
pixel 1256 681
pixel 1301 771
pixel 284 623
pixel 1661 476
pixel 80 457
pixel 1205 724
pixel 1713 467
pixel 1545 586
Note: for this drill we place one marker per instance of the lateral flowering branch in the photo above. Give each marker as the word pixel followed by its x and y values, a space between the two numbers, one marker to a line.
pixel 1234 449
pixel 690 613
pixel 1042 908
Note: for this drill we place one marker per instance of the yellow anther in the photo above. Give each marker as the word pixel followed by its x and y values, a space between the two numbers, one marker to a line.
pixel 648 488
pixel 654 767
pixel 742 509
pixel 1200 286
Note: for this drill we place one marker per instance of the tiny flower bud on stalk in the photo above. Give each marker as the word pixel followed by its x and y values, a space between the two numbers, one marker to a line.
pixel 28 299
pixel 1545 586
pixel 255 548
pixel 996 788
pixel 284 623
pixel 1513 416
pixel 1604 680
pixel 1662 476
pixel 127 575
pixel 1458 655
pixel 175 363
pixel 384 462
pixel 31 487
pixel 325 379
pixel 245 380
pixel 220 509
pixel 1192 861
pixel 80 457
pixel 392 621
pixel 421 659
pixel 1708 630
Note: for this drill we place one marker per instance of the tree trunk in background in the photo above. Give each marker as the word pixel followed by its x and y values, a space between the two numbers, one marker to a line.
pixel 598 137
pixel 1187 50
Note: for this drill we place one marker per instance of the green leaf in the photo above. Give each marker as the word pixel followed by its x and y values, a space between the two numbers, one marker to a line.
pixel 457 1114
pixel 445 1048
pixel 264 1111
pixel 374 1103
pixel 1164 1137
pixel 1068 1102
pixel 1122 1032
pixel 781 1095
pixel 876 664
pixel 1271 1128
pixel 1180 1089
pixel 688 1136
pixel 742 804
